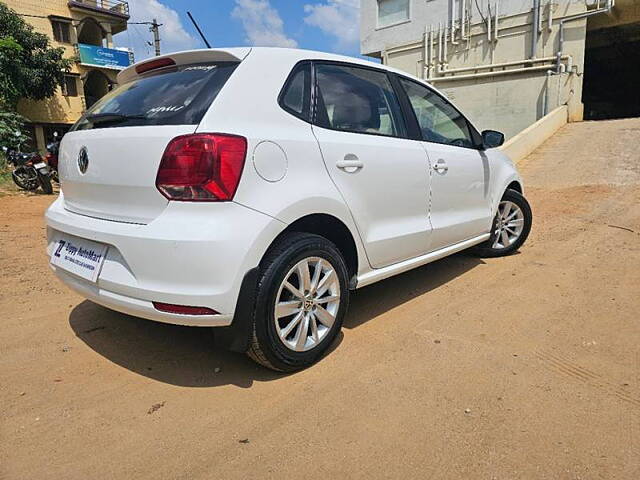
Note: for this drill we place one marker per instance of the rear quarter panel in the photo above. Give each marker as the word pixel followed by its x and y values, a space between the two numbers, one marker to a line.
pixel 300 184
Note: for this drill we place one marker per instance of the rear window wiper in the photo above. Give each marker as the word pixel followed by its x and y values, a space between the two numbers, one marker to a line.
pixel 113 117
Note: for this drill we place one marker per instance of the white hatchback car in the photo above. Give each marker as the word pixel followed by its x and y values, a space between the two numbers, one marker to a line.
pixel 250 189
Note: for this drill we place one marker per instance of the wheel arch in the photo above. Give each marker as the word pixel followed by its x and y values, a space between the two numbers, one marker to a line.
pixel 334 230
pixel 511 182
pixel 515 185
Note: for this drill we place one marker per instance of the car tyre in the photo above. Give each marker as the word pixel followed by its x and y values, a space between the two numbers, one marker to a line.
pixel 510 228
pixel 318 307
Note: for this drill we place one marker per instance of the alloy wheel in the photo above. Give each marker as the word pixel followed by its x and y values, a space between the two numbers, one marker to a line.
pixel 509 225
pixel 307 304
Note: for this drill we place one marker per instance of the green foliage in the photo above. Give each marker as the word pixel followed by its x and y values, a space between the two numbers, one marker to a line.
pixel 11 130
pixel 5 171
pixel 29 67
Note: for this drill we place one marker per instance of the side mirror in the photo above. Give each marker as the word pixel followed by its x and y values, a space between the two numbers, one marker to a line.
pixel 492 139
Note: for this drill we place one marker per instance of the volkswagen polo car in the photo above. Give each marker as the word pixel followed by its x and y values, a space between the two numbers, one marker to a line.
pixel 252 189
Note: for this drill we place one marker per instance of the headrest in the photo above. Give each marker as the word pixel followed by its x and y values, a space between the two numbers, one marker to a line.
pixel 356 111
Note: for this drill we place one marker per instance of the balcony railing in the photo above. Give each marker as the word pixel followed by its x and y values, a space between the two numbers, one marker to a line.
pixel 114 7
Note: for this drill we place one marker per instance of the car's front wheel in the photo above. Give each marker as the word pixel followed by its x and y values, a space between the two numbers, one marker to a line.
pixel 511 226
pixel 300 303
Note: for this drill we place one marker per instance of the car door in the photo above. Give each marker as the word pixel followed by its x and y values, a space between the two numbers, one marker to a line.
pixel 460 206
pixel 382 175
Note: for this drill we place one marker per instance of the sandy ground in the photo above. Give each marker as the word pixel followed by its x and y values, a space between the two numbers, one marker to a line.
pixel 525 367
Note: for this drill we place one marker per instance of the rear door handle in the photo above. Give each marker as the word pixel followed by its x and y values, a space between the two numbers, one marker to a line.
pixel 350 164
pixel 441 166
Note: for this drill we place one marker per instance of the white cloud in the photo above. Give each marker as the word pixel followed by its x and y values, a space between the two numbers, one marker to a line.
pixel 173 36
pixel 262 24
pixel 339 19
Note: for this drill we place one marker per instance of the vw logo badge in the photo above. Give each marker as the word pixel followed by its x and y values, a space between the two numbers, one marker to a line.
pixel 83 160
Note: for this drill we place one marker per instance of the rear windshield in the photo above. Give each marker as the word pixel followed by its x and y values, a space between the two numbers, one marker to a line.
pixel 173 96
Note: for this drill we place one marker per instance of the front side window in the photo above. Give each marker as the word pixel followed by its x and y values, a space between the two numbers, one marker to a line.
pixel 439 121
pixel 357 100
pixel 391 12
pixel 171 96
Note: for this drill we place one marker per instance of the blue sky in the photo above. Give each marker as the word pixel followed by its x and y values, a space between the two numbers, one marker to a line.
pixel 328 25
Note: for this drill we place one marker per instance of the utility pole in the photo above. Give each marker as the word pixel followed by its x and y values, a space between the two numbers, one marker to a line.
pixel 153 27
pixel 156 35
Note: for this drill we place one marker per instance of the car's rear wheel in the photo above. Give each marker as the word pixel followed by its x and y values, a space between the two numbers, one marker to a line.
pixel 511 226
pixel 301 300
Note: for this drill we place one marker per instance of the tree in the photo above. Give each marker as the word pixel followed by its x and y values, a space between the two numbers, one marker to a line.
pixel 29 66
pixel 11 130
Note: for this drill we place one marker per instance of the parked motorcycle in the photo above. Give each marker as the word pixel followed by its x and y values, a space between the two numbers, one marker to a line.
pixel 30 171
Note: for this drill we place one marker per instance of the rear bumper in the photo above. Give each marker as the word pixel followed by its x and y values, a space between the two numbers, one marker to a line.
pixel 191 254
pixel 135 306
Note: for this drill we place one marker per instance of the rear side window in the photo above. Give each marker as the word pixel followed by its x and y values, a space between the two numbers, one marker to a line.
pixel 295 96
pixel 172 96
pixel 357 100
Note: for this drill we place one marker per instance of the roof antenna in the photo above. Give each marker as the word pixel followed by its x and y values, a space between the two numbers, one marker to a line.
pixel 198 28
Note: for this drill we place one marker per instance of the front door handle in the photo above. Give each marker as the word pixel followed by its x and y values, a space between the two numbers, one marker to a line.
pixel 350 164
pixel 441 166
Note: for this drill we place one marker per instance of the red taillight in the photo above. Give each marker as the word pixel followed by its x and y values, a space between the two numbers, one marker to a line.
pixel 203 167
pixel 183 309
pixel 153 64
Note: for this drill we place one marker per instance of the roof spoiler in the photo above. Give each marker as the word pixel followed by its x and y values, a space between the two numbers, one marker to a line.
pixel 183 58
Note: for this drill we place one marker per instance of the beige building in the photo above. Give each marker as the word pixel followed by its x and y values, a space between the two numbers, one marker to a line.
pixel 84 28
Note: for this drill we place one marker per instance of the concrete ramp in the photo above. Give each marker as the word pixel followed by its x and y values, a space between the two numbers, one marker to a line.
pixel 532 137
pixel 604 152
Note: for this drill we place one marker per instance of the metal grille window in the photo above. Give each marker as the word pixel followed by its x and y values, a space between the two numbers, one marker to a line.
pixel 391 12
pixel 70 86
pixel 61 31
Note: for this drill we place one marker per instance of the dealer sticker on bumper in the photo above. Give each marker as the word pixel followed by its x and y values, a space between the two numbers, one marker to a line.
pixel 79 256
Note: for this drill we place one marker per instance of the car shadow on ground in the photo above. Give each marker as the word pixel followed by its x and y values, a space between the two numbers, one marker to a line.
pixel 376 299
pixel 186 356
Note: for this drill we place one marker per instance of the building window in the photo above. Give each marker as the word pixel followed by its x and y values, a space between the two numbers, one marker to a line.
pixel 391 12
pixel 61 31
pixel 70 86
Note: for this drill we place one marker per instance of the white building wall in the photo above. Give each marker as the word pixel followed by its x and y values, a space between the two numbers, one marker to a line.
pixel 424 13
pixel 508 102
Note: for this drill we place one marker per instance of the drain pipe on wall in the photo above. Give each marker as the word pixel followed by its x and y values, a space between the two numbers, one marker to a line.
pixel 495 22
pixel 452 6
pixel 534 28
pixel 428 52
pixel 545 107
pixel 463 20
pixel 440 44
